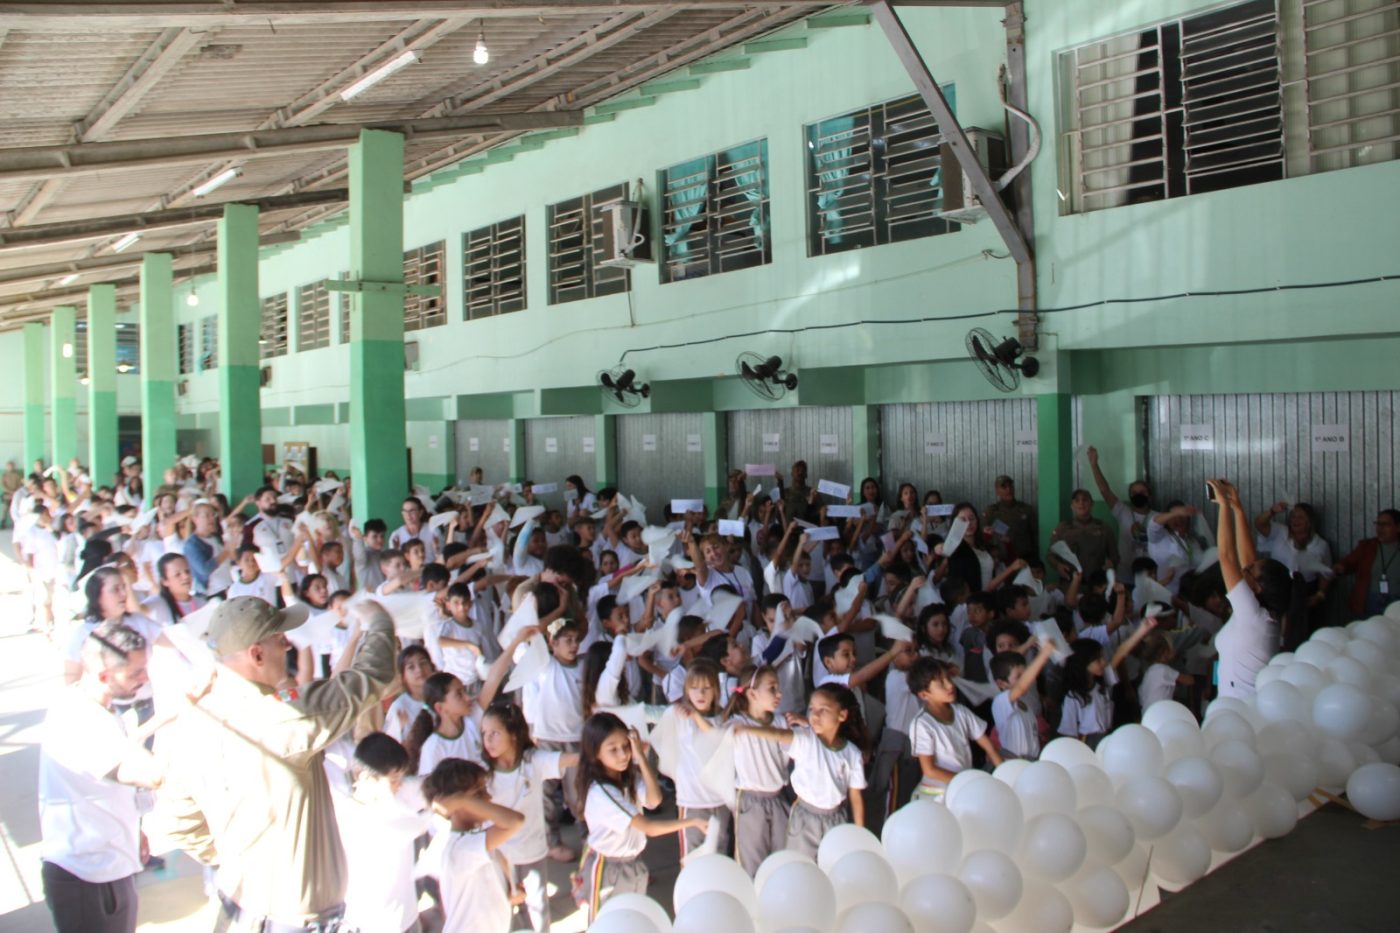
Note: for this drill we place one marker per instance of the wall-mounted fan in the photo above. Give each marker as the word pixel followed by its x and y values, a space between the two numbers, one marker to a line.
pixel 765 376
pixel 1001 361
pixel 621 385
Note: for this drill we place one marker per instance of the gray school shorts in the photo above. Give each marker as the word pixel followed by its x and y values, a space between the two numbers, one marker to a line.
pixel 808 824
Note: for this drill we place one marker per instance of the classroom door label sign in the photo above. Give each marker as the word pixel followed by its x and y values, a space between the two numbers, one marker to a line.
pixel 1025 442
pixel 935 443
pixel 588 445
pixel 649 443
pixel 1331 438
pixel 770 443
pixel 692 443
pixel 551 445
pixel 1198 437
pixel 829 444
pixel 473 444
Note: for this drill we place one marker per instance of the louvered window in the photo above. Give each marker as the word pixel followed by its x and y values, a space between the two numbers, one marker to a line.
pixel 493 269
pixel 576 248
pixel 715 213
pixel 344 302
pixel 875 176
pixel 184 336
pixel 424 266
pixel 80 348
pixel 313 316
pixel 128 346
pixel 272 338
pixel 1352 52
pixel 209 343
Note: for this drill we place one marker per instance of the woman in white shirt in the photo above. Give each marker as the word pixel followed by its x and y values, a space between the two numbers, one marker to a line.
pixel 1297 545
pixel 1259 592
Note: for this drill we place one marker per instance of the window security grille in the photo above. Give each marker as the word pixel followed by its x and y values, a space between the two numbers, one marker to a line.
pixel 493 269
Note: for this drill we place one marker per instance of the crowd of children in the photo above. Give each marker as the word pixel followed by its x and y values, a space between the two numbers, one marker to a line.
pixel 581 663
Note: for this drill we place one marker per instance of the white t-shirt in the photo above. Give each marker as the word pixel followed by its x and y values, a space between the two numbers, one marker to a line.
pixel 264 587
pixel 736 578
pixel 1246 643
pixel 791 679
pixel 1094 717
pixel 608 813
pixel 824 776
pixel 901 706
pixel 41 547
pixel 474 892
pixel 1169 550
pixel 378 842
pixel 522 790
pixel 436 748
pixel 690 790
pixel 1016 730
pixel 402 536
pixel 553 703
pixel 1158 683
pixel 797 590
pixel 458 661
pixel 400 716
pixel 759 765
pixel 1278 545
pixel 950 743
pixel 1132 536
pixel 90 823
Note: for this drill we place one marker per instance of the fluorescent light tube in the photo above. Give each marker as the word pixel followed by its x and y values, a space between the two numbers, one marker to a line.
pixel 68 279
pixel 379 74
pixel 224 177
pixel 125 241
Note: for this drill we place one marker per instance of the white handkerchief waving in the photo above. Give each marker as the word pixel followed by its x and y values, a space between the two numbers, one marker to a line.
pixel 1061 550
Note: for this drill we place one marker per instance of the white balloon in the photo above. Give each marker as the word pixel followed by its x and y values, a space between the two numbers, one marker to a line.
pixel 1052 847
pixel 1308 678
pixel 1240 765
pixel 862 876
pixel 1152 805
pixel 1199 783
pixel 1316 653
pixel 922 837
pixel 938 903
pixel 962 780
pixel 1165 711
pixel 1009 770
pixel 1228 726
pixel 844 839
pixel 1181 857
pixel 1367 653
pixel 1388 687
pixel 1294 738
pixel 1042 910
pixel 1045 787
pixel 1179 739
pixel 1389 750
pixel 1092 785
pixel 1108 834
pixel 1274 810
pixel 1227 704
pixel 1226 828
pixel 1067 753
pixel 1130 751
pixel 625 921
pixel 798 894
pixel 640 904
pixel 872 917
pixel 776 860
pixel 1348 670
pixel 1336 637
pixel 1392 612
pixel 714 910
pixel 1374 790
pixel 1267 676
pixel 994 880
pixel 1294 773
pixel 1282 702
pixel 1133 869
pixel 1282 659
pixel 1382 724
pixel 1342 710
pixel 714 872
pixel 1378 633
pixel 1335 762
pixel 990 815
pixel 1099 898
pixel 1363 753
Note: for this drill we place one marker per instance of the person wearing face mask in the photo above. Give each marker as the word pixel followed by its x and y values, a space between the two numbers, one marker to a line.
pixel 1132 516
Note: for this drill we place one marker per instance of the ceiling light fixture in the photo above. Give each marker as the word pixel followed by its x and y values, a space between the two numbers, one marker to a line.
pixel 481 55
pixel 125 241
pixel 192 300
pixel 223 178
pixel 379 74
pixel 68 279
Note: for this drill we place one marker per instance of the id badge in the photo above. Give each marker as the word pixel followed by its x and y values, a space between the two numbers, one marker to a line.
pixel 1385 587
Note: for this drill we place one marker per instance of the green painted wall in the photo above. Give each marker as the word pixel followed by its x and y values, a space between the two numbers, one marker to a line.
pixel 239 322
pixel 103 459
pixel 158 421
pixel 63 381
pixel 34 397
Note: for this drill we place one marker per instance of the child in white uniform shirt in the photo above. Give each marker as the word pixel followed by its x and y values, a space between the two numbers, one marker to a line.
pixel 760 770
pixel 1017 732
pixel 895 771
pixel 1160 679
pixel 617 783
pixel 444 728
pixel 1087 711
pixel 465 859
pixel 415 667
pixel 698 710
pixel 943 732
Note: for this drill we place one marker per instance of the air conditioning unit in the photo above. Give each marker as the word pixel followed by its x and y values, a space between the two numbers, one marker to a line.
pixel 265 377
pixel 960 202
pixel 626 235
pixel 410 356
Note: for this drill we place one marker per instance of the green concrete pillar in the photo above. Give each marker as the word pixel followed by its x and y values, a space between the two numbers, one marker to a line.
pixel 714 440
pixel 35 447
pixel 378 465
pixel 157 369
pixel 1054 461
pixel 63 384
pixel 103 446
pixel 516 454
pixel 605 449
pixel 240 320
pixel 865 446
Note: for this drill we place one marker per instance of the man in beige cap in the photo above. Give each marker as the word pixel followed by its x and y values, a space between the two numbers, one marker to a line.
pixel 247 790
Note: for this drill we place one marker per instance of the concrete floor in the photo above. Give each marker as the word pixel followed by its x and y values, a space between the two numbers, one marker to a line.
pixel 1330 875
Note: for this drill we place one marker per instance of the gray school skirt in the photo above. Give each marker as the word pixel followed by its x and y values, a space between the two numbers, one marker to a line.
pixel 760 827
pixel 808 824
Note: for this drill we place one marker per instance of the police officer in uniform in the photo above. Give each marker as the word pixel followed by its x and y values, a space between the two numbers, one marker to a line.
pixel 247 788
pixel 1011 523
pixel 1091 540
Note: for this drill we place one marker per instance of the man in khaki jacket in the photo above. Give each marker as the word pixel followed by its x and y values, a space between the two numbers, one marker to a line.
pixel 247 790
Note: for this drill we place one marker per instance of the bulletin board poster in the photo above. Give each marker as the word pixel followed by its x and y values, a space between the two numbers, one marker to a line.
pixel 297 454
